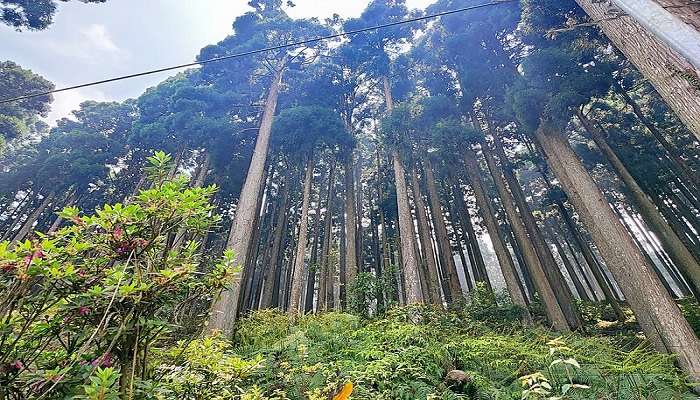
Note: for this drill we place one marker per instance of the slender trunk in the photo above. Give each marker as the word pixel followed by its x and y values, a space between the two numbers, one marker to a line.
pixel 272 273
pixel 350 227
pixel 558 232
pixel 409 261
pixel 426 243
pixel 489 216
pixel 672 150
pixel 460 249
pixel 657 313
pixel 555 314
pixel 298 272
pixel 542 249
pixel 251 263
pixel 325 287
pixel 592 261
pixel 29 223
pixel 225 308
pixel 15 212
pixel 446 257
pixel 672 244
pixel 476 259
pixel 569 267
pixel 313 262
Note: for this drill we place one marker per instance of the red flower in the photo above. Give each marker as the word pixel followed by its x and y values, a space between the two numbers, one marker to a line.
pixel 118 232
pixel 82 310
pixel 104 360
pixel 17 365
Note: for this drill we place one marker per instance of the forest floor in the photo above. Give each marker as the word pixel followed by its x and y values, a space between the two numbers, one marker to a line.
pixel 426 353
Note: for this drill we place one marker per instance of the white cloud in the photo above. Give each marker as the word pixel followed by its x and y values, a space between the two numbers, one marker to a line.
pixel 65 102
pixel 97 35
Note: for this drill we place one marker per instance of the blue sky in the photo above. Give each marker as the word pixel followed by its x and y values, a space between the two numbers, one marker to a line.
pixel 94 42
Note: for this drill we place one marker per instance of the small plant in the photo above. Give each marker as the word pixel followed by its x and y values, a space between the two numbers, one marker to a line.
pixel 89 302
pixel 538 386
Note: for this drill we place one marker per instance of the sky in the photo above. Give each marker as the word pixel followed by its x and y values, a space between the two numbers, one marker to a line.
pixel 89 42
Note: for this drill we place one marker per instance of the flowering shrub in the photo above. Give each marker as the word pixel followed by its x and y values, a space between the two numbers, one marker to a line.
pixel 82 308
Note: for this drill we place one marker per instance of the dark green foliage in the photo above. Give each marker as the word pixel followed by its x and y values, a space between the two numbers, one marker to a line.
pixel 408 354
pixel 21 118
pixel 32 15
pixel 299 131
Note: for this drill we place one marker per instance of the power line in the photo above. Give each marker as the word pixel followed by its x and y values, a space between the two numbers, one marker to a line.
pixel 257 51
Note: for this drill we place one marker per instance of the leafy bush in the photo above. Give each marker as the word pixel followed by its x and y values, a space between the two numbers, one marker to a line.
pixel 96 296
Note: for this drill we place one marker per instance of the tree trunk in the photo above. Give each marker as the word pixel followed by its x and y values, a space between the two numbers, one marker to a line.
pixel 460 249
pixel 542 249
pixel 489 216
pixel 272 274
pixel 409 261
pixel 426 243
pixel 225 308
pixel 350 227
pixel 298 272
pixel 325 287
pixel 29 223
pixel 672 150
pixel 664 68
pixel 313 262
pixel 671 243
pixel 657 313
pixel 446 257
pixel 569 267
pixel 251 263
pixel 476 259
pixel 555 314
pixel 15 215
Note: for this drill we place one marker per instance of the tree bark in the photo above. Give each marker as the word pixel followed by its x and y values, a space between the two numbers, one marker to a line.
pixel 542 249
pixel 447 259
pixel 272 273
pixel 426 243
pixel 409 261
pixel 664 68
pixel 298 271
pixel 476 259
pixel 657 313
pixel 502 254
pixel 225 308
pixel 555 314
pixel 671 243
pixel 313 262
pixel 325 287
pixel 350 226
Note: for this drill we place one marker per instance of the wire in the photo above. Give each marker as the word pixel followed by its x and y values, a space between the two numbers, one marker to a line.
pixel 257 51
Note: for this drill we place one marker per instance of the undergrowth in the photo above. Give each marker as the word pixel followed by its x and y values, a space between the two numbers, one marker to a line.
pixel 407 355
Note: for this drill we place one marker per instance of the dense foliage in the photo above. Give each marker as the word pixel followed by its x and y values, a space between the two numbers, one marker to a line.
pixel 491 204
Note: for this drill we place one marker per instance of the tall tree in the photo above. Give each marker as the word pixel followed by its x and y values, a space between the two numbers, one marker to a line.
pixel 555 83
pixel 268 25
